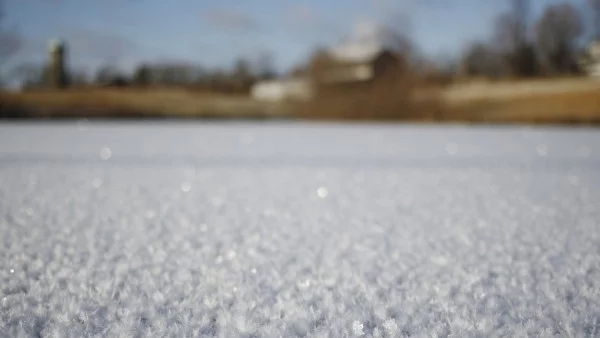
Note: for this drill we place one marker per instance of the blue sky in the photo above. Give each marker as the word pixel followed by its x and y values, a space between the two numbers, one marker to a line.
pixel 215 32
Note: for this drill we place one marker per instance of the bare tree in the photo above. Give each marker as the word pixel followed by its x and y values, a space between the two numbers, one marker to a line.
pixel 512 36
pixel 241 77
pixel 483 60
pixel 242 69
pixel 28 74
pixel 108 75
pixel 512 27
pixel 78 78
pixel 557 32
pixel 520 13
pixel 396 34
pixel 264 68
pixel 142 75
pixel 175 73
pixel 9 41
pixel 595 12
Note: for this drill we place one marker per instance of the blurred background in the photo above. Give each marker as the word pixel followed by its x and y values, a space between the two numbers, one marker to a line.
pixel 507 61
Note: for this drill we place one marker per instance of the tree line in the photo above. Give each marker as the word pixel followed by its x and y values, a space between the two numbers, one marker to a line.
pixel 236 79
pixel 522 45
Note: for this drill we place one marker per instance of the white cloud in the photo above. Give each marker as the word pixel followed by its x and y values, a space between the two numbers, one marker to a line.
pixel 230 19
pixel 304 20
pixel 303 14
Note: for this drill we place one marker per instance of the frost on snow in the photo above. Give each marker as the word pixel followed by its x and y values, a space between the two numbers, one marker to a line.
pixel 455 231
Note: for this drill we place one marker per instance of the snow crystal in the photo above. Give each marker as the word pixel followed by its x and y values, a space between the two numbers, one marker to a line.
pixel 434 232
pixel 322 192
pixel 105 153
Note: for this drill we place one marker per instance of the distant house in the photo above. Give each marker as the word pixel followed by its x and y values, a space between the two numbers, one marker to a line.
pixel 354 64
pixel 590 62
pixel 342 66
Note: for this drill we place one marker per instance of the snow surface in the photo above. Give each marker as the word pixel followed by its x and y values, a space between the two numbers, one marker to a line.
pixel 285 230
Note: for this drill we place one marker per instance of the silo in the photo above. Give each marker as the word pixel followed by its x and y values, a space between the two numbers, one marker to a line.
pixel 57 76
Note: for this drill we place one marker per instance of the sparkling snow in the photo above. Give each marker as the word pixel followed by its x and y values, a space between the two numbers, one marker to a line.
pixel 286 230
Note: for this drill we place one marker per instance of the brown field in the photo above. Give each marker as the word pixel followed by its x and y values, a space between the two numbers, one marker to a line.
pixel 570 101
pixel 154 102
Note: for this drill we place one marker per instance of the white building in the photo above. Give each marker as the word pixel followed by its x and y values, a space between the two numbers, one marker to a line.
pixel 298 89
pixel 591 60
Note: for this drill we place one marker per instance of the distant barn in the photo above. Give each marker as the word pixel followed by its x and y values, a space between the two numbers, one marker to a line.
pixel 352 65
